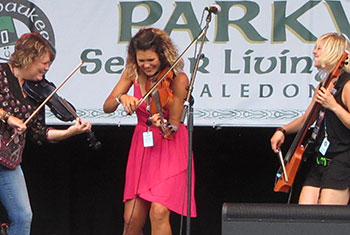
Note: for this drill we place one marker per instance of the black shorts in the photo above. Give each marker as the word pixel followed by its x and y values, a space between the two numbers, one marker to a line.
pixel 335 176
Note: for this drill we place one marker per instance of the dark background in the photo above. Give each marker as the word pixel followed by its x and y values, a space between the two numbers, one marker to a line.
pixel 77 190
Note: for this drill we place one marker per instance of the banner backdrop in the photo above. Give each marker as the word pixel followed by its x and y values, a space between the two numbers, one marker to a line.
pixel 257 65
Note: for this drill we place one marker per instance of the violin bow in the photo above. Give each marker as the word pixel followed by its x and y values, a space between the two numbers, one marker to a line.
pixel 280 155
pixel 47 99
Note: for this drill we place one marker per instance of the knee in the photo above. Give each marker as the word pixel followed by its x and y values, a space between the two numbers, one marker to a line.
pixel 132 218
pixel 133 224
pixel 159 213
pixel 23 217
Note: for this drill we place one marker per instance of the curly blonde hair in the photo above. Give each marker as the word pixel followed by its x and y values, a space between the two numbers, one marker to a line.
pixel 152 39
pixel 28 48
pixel 334 45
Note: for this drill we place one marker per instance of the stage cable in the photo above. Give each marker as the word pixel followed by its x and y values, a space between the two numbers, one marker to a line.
pixel 136 195
pixel 290 194
pixel 183 204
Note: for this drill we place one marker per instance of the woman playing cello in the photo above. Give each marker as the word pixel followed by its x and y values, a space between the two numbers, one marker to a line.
pixel 156 171
pixel 328 181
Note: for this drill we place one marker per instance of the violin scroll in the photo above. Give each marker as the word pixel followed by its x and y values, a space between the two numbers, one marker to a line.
pixel 93 142
pixel 169 131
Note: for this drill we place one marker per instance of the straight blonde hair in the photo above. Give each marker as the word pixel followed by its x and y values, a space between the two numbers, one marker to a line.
pixel 334 46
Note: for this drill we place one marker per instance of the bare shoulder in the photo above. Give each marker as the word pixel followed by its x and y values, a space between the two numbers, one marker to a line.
pixel 181 79
pixel 347 85
pixel 346 94
pixel 127 76
pixel 346 88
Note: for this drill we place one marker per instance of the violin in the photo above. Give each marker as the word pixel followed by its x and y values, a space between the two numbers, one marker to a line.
pixel 163 91
pixel 60 107
pixel 160 98
pixel 47 98
pixel 296 151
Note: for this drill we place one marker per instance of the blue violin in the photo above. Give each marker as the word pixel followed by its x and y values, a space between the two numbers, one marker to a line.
pixel 61 108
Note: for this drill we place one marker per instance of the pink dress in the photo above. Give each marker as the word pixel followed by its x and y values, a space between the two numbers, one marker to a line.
pixel 159 173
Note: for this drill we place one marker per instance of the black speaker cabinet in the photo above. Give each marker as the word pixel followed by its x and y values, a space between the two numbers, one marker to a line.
pixel 284 219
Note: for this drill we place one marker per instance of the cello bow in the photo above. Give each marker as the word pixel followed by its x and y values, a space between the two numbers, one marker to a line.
pixel 295 152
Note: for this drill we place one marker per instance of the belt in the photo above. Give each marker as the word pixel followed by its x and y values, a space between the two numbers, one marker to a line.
pixel 323 161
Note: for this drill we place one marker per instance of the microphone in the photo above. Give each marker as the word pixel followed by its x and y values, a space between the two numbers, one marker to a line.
pixel 213 9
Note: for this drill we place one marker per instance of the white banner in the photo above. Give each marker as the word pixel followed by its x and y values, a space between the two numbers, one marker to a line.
pixel 257 66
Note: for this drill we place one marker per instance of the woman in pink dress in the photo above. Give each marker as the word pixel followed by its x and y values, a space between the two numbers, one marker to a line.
pixel 156 173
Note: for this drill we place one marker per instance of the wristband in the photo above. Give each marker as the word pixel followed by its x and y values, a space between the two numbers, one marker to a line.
pixel 118 98
pixel 172 128
pixel 5 116
pixel 281 129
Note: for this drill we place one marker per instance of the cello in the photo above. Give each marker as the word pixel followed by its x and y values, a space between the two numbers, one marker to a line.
pixel 294 155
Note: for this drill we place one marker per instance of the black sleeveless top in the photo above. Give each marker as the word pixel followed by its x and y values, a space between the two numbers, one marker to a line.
pixel 338 133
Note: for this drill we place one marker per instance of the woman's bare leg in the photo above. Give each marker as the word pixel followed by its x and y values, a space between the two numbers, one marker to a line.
pixel 135 215
pixel 160 219
pixel 334 196
pixel 309 195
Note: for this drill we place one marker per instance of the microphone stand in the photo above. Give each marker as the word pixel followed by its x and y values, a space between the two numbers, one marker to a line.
pixel 188 110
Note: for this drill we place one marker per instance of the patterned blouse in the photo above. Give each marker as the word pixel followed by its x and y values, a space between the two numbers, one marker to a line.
pixel 13 101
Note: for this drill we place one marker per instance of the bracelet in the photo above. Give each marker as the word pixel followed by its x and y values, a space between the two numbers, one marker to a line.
pixel 172 128
pixel 5 116
pixel 281 129
pixel 118 97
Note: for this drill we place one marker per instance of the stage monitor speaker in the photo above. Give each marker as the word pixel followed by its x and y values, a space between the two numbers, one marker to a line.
pixel 284 219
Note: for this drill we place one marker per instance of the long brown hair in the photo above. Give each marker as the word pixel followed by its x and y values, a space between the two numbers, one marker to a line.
pixel 154 39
